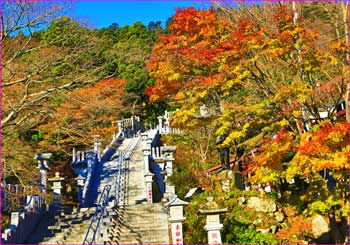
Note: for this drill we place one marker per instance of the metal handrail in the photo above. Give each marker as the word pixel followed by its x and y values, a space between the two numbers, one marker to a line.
pixel 118 179
pixel 123 155
pixel 103 200
pixel 103 206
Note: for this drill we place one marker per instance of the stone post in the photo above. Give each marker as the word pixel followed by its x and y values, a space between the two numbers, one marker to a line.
pixel 43 167
pixel 56 187
pixel 149 191
pixel 160 124
pixel 146 154
pixel 167 122
pixel 132 123
pixel 167 152
pixel 149 142
pixel 14 220
pixel 74 154
pixel 80 183
pixel 213 225
pixel 144 137
pixel 97 145
pixel 161 183
pixel 120 126
pixel 176 218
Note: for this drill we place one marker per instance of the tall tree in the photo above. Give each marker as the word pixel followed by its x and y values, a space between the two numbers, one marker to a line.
pixel 43 54
pixel 259 79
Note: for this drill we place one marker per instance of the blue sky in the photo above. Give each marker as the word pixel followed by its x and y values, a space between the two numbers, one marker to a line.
pixel 103 13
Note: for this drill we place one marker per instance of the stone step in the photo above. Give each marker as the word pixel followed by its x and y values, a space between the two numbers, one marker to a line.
pixel 149 206
pixel 148 235
pixel 141 230
pixel 145 213
pixel 151 218
pixel 141 224
pixel 138 240
pixel 146 218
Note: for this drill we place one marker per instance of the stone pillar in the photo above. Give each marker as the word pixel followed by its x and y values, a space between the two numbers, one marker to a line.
pixel 56 187
pixel 167 122
pixel 149 191
pixel 120 126
pixel 149 142
pixel 74 154
pixel 97 145
pixel 14 220
pixel 168 153
pixel 80 183
pixel 176 218
pixel 144 137
pixel 146 154
pixel 132 124
pixel 213 225
pixel 160 124
pixel 161 175
pixel 43 167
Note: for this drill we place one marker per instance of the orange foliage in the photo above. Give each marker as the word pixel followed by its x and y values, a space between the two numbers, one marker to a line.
pixel 298 230
pixel 87 111
pixel 190 50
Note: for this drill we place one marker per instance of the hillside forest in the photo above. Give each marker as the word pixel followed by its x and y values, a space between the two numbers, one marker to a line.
pixel 274 79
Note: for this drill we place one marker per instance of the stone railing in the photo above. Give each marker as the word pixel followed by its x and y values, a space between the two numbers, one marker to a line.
pixel 84 164
pixel 92 162
pixel 26 210
pixel 24 221
pixel 158 164
pixel 164 124
pixel 129 126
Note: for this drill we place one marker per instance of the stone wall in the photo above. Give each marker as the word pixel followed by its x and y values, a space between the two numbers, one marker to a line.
pixel 24 221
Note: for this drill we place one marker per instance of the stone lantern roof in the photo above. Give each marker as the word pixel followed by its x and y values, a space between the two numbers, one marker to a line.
pixel 211 207
pixel 43 156
pixel 176 202
pixel 56 178
pixel 42 159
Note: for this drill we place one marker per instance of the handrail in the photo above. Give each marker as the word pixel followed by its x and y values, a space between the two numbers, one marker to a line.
pixel 118 179
pixel 104 198
pixel 123 155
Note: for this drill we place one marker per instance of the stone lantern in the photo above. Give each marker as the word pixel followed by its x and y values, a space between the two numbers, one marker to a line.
pixel 204 111
pixel 80 183
pixel 56 187
pixel 176 206
pixel 43 159
pixel 213 225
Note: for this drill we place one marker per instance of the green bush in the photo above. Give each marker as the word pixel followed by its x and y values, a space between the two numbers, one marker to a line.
pixel 240 232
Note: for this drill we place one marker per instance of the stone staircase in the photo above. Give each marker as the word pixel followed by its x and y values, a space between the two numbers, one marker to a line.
pixel 63 228
pixel 134 222
pixel 140 224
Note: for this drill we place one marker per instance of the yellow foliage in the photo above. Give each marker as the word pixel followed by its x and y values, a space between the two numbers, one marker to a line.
pixel 175 76
pixel 237 134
